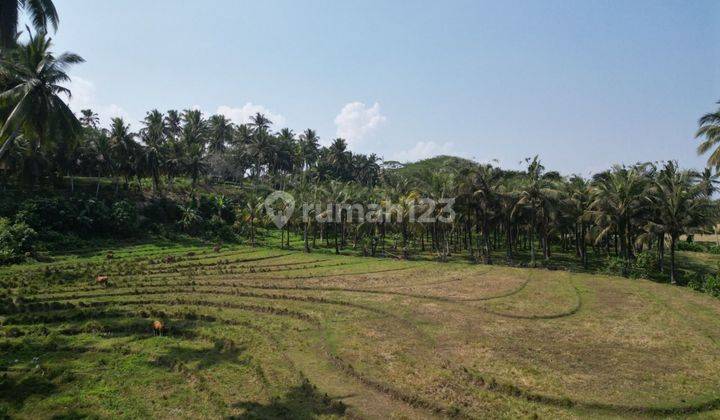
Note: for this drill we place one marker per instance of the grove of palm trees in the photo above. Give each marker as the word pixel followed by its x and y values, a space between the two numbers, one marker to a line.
pixel 333 317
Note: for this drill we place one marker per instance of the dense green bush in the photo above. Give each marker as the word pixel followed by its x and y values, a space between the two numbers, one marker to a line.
pixel 16 239
pixel 80 215
pixel 95 216
pixel 713 249
pixel 161 211
pixel 61 221
pixel 206 207
pixel 616 266
pixel 8 206
pixel 190 220
pixel 708 284
pixel 216 229
pixel 124 217
pixel 47 213
pixel 690 246
pixel 54 241
pixel 645 265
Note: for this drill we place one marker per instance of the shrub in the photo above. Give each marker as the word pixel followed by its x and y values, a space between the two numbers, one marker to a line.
pixel 706 283
pixel 190 220
pixel 713 249
pixel 616 266
pixel 51 240
pixel 712 285
pixel 8 207
pixel 697 282
pixel 124 217
pixel 95 216
pixel 645 265
pixel 207 207
pixel 217 229
pixel 15 240
pixel 47 213
pixel 162 210
pixel 690 246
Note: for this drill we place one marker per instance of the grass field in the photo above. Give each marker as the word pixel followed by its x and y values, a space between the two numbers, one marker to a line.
pixel 263 333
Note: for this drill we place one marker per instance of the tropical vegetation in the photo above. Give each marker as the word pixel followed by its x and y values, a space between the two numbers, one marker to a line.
pixel 209 175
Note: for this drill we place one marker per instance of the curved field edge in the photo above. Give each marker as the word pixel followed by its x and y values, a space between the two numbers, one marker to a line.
pixel 415 338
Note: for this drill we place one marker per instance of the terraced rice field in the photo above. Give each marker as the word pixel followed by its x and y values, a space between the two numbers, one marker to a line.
pixel 262 333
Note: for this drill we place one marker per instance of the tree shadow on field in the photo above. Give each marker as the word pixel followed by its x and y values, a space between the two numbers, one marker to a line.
pixel 223 351
pixel 15 389
pixel 301 402
pixel 18 382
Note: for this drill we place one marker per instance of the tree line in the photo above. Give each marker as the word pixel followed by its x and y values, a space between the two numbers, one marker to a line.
pixel 620 212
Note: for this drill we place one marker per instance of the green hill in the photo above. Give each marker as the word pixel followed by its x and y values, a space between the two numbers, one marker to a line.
pixel 434 164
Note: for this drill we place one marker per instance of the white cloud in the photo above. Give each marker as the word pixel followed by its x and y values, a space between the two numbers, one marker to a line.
pixel 424 150
pixel 83 97
pixel 356 120
pixel 242 115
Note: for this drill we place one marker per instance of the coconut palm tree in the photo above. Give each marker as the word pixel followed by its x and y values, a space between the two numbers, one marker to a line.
pixel 709 130
pixel 366 169
pixel 260 149
pixel 339 158
pixel 194 139
pixel 89 118
pixel 260 122
pixel 577 206
pixel 709 181
pixel 486 180
pixel 508 198
pixel 254 207
pixel 153 135
pixel 537 194
pixel 310 148
pixel 125 148
pixel 285 153
pixel 618 197
pixel 337 195
pixel 102 148
pixel 439 186
pixel 173 124
pixel 32 104
pixel 682 206
pixel 195 162
pixel 41 13
pixel 221 133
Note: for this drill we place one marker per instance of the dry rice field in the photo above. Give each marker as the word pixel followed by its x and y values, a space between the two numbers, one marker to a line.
pixel 269 333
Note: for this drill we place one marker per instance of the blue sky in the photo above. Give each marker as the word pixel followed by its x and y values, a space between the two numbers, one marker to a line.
pixel 582 83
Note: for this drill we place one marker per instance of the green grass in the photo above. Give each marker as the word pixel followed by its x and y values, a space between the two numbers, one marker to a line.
pixel 275 333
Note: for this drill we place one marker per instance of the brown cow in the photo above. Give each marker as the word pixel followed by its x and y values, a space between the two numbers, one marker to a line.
pixel 101 280
pixel 157 328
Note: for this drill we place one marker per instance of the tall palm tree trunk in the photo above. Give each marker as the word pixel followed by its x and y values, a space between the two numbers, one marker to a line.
pixel 508 241
pixel 673 276
pixel 335 231
pixel 661 252
pixel 469 242
pixel 531 238
pixel 486 240
pixel 305 237
pixel 252 230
